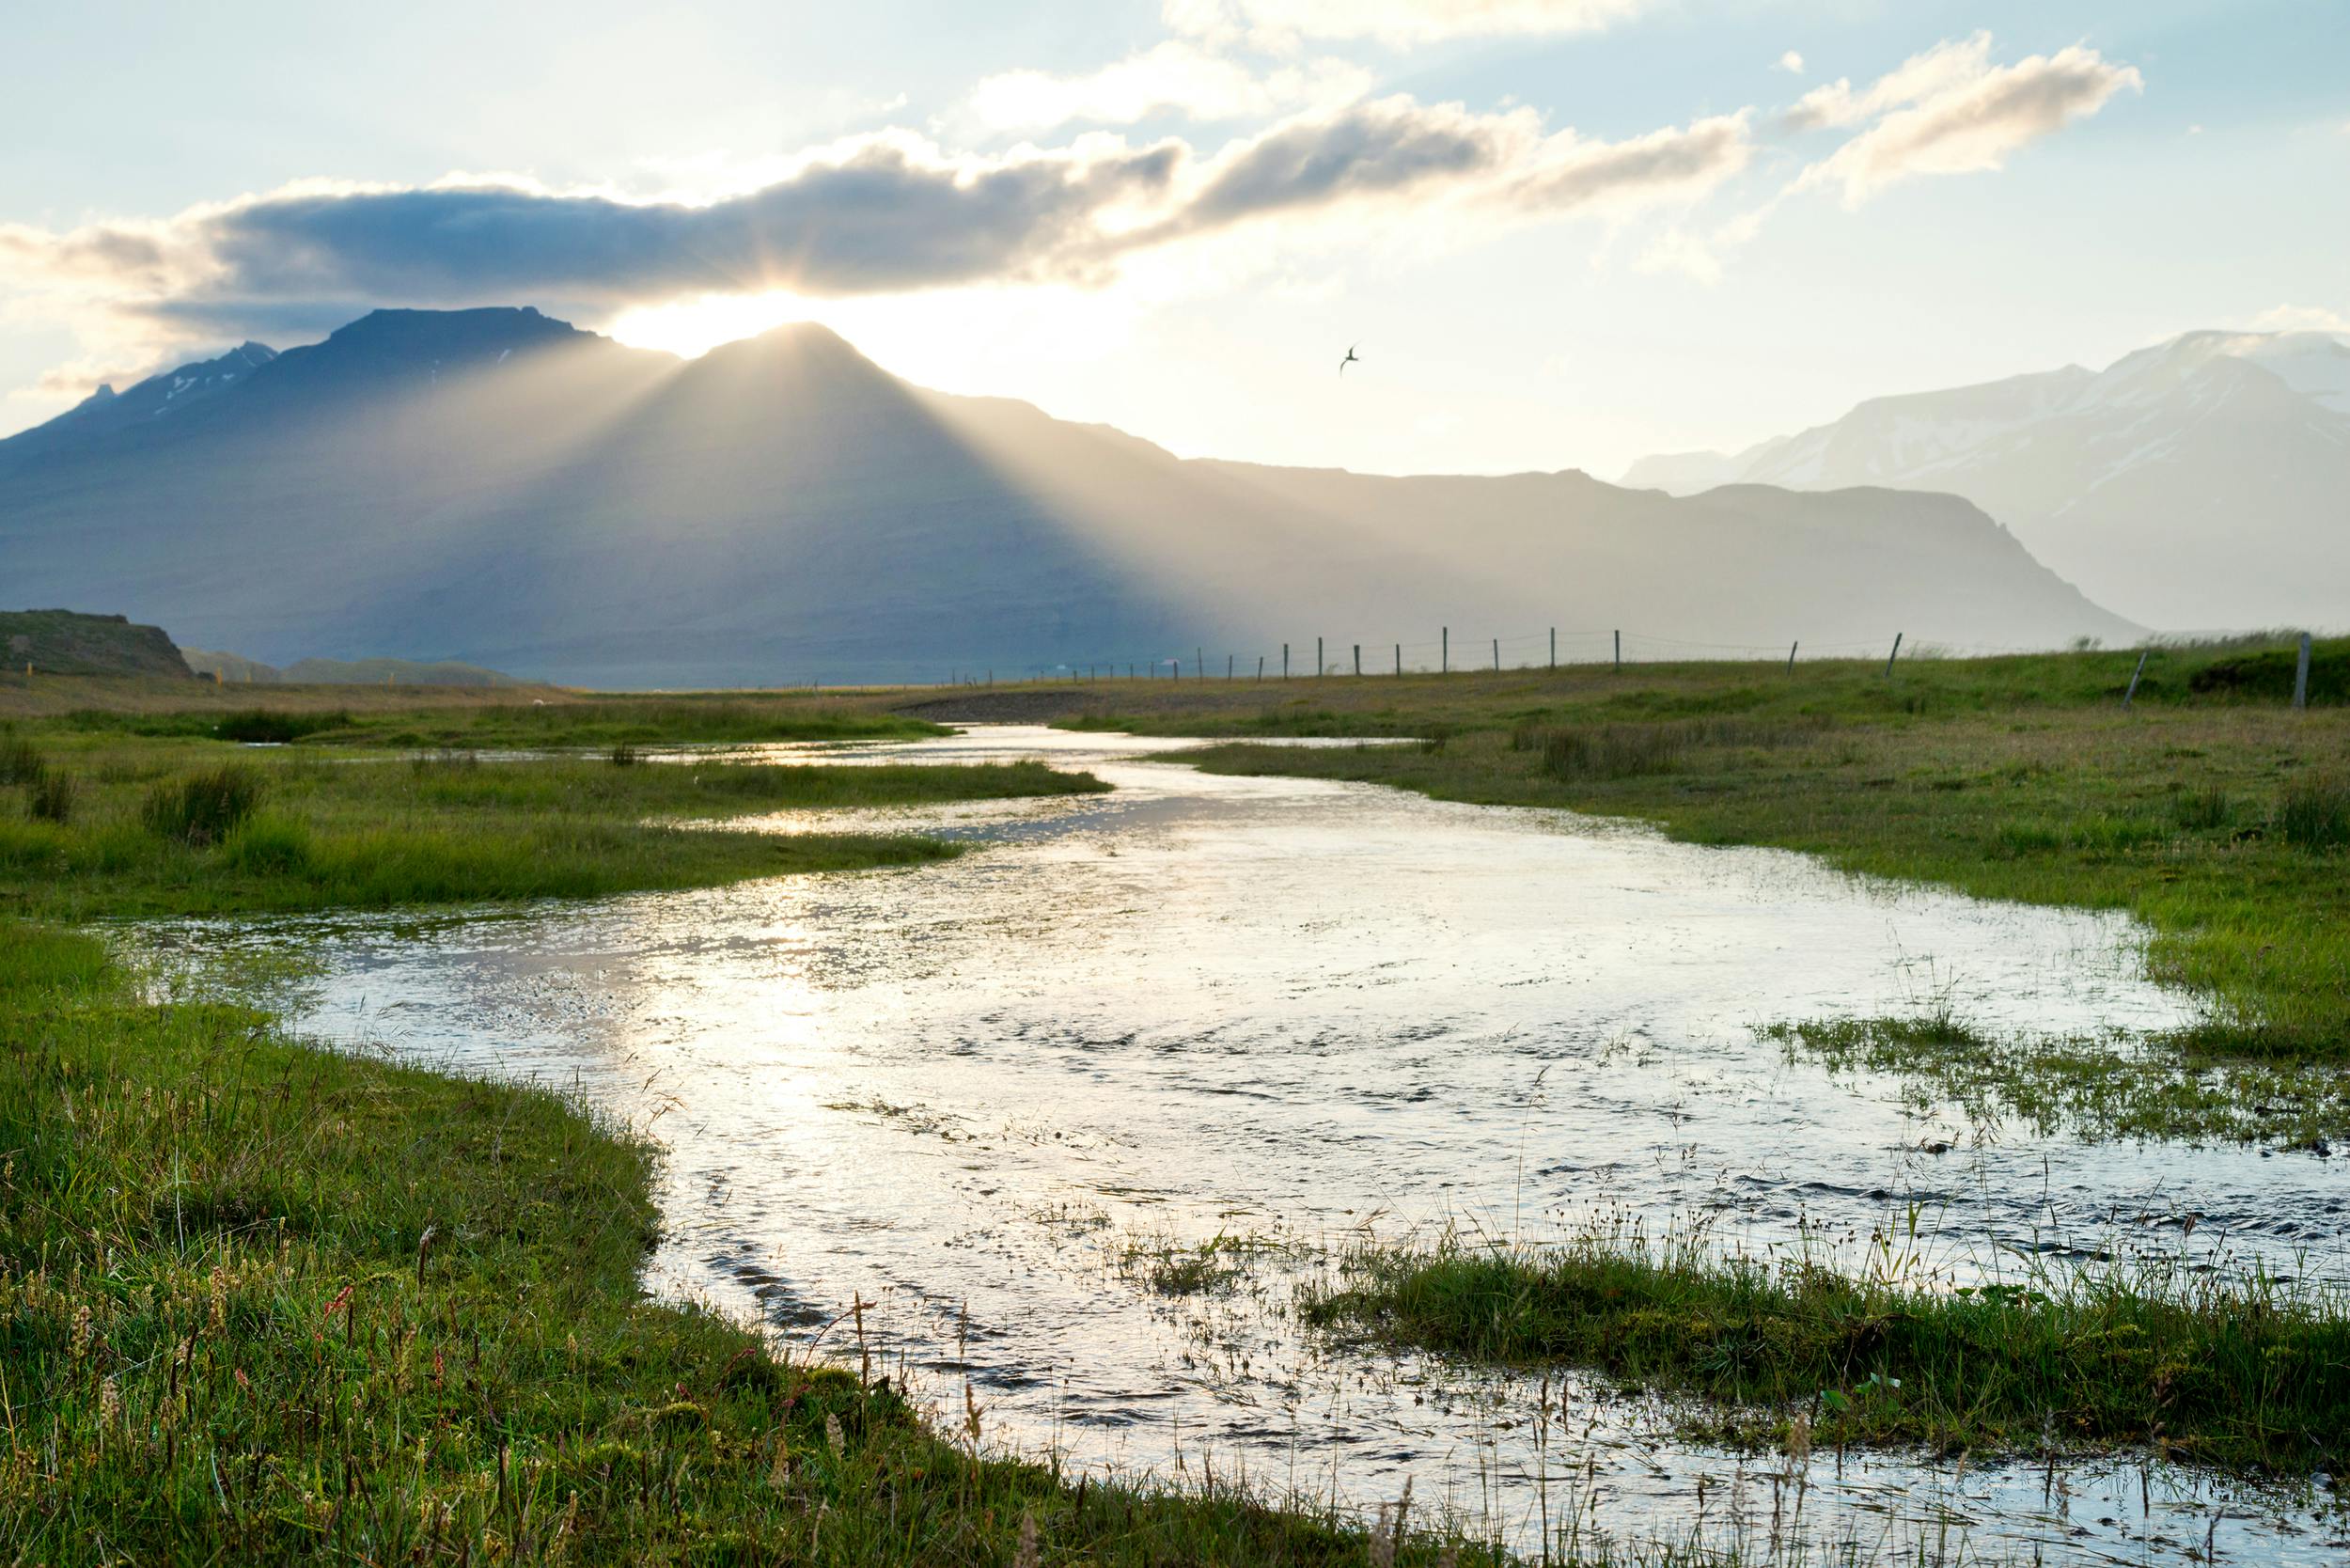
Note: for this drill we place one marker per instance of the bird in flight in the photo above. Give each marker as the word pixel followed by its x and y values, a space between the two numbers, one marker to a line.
pixel 1352 358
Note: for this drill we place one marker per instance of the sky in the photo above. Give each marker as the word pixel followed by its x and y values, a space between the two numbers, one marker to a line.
pixel 1557 233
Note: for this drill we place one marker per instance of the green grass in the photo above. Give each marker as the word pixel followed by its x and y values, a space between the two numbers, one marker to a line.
pixel 262 1303
pixel 2096 1088
pixel 167 828
pixel 2245 1375
pixel 485 723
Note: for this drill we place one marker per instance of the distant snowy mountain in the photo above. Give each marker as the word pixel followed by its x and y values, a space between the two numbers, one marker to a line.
pixel 2204 482
pixel 496 487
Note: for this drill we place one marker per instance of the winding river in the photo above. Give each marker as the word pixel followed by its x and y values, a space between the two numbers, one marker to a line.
pixel 983 1095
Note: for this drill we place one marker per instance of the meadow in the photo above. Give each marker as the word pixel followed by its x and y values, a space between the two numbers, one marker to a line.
pixel 115 825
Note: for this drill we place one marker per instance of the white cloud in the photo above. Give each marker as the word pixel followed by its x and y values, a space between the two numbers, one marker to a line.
pixel 2301 318
pixel 1950 111
pixel 1791 62
pixel 1283 24
pixel 1174 77
pixel 1946 65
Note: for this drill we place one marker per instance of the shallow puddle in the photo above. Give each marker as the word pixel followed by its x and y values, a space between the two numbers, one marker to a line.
pixel 1306 1011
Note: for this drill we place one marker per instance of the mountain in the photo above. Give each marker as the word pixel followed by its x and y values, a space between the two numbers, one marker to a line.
pixel 161 397
pixel 2204 482
pixel 496 487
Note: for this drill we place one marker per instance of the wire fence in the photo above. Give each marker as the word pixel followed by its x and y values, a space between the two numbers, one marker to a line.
pixel 1449 653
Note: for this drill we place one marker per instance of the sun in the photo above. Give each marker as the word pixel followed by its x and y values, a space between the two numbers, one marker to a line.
pixel 691 327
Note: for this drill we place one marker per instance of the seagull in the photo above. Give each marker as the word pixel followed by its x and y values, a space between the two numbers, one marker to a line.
pixel 1352 358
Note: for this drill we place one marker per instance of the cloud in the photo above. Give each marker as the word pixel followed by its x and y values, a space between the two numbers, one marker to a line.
pixel 1175 77
pixel 1792 63
pixel 1950 111
pixel 1283 24
pixel 1395 149
pixel 2301 318
pixel 882 213
pixel 1946 65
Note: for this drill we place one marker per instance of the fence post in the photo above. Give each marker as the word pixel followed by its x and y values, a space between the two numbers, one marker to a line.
pixel 1554 648
pixel 1227 668
pixel 1895 654
pixel 1443 659
pixel 1398 661
pixel 1199 663
pixel 1359 661
pixel 1790 656
pixel 2134 675
pixel 1618 651
pixel 1496 655
pixel 1319 665
pixel 2301 675
pixel 1260 669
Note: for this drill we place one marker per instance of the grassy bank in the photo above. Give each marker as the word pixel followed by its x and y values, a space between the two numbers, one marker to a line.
pixel 2243 1375
pixel 498 718
pixel 262 1303
pixel 149 827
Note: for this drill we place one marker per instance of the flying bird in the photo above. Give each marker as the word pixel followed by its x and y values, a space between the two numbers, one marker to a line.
pixel 1352 358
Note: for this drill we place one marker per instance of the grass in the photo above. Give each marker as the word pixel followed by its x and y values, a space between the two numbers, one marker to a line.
pixel 2245 1375
pixel 260 1303
pixel 503 718
pixel 166 827
pixel 2096 1088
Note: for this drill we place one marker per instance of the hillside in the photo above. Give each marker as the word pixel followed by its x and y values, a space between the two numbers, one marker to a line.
pixel 496 487
pixel 2196 484
pixel 62 642
pixel 236 670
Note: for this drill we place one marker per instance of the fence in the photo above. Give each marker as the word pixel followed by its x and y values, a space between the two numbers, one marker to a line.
pixel 1447 654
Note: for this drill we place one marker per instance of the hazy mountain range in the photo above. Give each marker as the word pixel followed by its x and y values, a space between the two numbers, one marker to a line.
pixel 2205 482
pixel 496 487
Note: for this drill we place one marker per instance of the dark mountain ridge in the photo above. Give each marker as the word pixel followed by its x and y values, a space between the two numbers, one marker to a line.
pixel 496 487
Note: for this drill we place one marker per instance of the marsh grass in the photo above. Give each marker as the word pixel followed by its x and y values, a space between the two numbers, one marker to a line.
pixel 202 808
pixel 1170 1268
pixel 20 762
pixel 50 796
pixel 285 831
pixel 2315 811
pixel 2242 1373
pixel 264 1304
pixel 278 727
pixel 2098 1090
